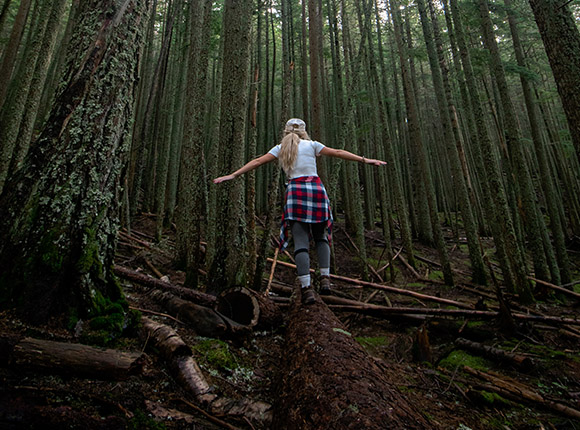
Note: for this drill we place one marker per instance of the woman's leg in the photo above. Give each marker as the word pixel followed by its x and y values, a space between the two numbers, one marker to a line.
pixel 322 247
pixel 300 234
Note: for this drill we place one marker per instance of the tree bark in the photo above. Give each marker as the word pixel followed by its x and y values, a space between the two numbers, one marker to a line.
pixel 59 212
pixel 329 381
pixel 70 358
pixel 562 42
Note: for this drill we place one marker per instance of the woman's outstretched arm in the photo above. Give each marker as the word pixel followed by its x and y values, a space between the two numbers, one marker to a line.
pixel 345 155
pixel 250 165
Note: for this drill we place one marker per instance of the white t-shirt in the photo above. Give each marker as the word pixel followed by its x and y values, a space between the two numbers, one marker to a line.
pixel 305 164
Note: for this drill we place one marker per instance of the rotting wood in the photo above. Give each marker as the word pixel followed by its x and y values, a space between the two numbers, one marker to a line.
pixel 187 372
pixel 516 391
pixel 249 308
pixel 328 381
pixel 148 281
pixel 70 358
pixel 392 289
pixel 518 360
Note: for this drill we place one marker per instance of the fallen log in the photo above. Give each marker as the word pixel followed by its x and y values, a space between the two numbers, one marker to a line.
pixel 328 381
pixel 521 361
pixel 384 312
pixel 186 293
pixel 69 358
pixel 556 288
pixel 188 373
pixel 249 308
pixel 205 321
pixel 516 391
pixel 391 289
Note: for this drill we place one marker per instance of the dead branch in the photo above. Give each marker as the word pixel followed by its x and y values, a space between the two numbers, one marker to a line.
pixel 391 289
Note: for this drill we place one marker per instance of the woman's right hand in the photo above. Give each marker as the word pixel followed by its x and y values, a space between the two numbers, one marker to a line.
pixel 223 179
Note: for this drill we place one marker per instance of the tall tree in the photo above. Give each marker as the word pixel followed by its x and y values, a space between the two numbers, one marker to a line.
pixel 59 213
pixel 561 39
pixel 451 137
pixel 418 147
pixel 228 264
pixel 541 252
pixel 11 50
pixel 192 184
pixel 552 203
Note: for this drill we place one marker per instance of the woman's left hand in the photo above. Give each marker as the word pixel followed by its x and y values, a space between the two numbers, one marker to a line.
pixel 374 162
pixel 223 179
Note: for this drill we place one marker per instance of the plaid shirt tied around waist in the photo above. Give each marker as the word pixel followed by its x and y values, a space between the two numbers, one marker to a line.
pixel 306 201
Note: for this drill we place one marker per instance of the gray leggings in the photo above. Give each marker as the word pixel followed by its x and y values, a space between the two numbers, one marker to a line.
pixel 300 233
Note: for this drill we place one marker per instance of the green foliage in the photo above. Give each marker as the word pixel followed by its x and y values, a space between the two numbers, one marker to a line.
pixel 527 74
pixel 372 342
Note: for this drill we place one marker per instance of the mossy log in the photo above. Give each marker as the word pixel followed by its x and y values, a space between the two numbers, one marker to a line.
pixel 329 381
pixel 188 373
pixel 69 358
pixel 520 361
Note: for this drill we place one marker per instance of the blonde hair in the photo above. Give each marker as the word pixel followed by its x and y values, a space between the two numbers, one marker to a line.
pixel 289 146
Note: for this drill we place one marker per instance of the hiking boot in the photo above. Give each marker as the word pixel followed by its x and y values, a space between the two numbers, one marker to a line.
pixel 325 285
pixel 308 296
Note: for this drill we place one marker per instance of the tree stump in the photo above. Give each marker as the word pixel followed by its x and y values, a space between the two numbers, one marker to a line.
pixel 329 382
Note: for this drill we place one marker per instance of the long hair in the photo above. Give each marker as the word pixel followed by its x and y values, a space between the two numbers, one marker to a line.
pixel 289 147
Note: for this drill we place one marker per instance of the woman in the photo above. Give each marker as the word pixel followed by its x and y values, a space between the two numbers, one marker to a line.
pixel 307 209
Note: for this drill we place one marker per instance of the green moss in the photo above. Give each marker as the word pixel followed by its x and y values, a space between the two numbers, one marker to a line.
pixel 217 354
pixel 459 358
pixel 493 399
pixel 372 342
pixel 415 284
pixel 436 275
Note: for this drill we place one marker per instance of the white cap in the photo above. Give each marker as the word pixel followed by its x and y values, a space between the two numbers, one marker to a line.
pixel 296 124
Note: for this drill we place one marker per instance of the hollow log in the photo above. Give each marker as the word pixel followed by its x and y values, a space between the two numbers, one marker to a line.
pixel 521 361
pixel 205 321
pixel 69 358
pixel 329 382
pixel 249 308
pixel 186 293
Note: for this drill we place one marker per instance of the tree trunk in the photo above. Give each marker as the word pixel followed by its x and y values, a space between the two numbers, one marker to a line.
pixel 11 49
pixel 227 267
pixel 330 382
pixel 59 212
pixel 562 42
pixel 192 205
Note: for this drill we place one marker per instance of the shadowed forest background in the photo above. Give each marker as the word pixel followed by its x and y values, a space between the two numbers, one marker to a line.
pixel 116 114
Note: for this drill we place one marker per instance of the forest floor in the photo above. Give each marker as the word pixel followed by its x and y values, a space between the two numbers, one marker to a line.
pixel 447 385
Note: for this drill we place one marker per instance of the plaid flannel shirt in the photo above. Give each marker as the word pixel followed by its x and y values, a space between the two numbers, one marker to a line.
pixel 306 201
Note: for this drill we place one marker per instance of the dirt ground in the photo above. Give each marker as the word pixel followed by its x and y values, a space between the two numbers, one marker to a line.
pixel 434 379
